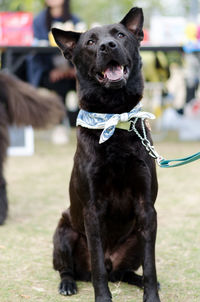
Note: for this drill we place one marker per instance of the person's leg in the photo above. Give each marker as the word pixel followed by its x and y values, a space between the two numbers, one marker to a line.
pixel 62 88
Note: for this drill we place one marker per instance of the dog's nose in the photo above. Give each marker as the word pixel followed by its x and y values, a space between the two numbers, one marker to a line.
pixel 107 45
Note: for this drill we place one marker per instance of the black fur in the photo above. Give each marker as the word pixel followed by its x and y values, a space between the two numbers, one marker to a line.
pixel 109 231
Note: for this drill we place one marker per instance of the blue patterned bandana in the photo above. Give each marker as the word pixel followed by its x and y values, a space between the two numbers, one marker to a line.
pixel 108 121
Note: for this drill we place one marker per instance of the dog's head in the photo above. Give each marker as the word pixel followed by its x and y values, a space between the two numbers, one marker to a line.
pixel 105 55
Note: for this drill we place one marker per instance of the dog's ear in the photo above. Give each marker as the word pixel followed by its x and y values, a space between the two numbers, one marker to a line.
pixel 66 41
pixel 134 22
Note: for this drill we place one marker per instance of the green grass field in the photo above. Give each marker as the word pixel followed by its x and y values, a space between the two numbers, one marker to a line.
pixel 38 192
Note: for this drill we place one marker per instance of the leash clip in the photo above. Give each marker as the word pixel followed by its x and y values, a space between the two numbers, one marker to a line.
pixel 151 150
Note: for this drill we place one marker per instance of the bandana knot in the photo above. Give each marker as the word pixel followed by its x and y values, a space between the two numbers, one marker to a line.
pixel 109 122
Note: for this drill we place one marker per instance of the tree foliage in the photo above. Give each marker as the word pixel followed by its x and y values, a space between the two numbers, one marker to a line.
pixel 18 5
pixel 100 11
pixel 90 11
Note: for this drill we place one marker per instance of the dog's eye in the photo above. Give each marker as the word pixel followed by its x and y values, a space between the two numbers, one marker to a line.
pixel 121 35
pixel 90 42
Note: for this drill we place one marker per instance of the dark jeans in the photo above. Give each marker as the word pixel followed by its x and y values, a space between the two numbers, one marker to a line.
pixel 191 92
pixel 61 87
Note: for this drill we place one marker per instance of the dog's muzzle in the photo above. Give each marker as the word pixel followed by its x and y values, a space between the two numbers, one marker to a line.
pixel 114 75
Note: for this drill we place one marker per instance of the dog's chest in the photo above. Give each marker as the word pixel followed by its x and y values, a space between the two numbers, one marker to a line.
pixel 116 171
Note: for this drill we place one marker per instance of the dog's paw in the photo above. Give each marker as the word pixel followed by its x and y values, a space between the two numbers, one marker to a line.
pixel 151 298
pixel 68 288
pixel 106 297
pixel 101 299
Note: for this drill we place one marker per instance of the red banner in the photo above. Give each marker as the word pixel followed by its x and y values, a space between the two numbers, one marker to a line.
pixel 16 29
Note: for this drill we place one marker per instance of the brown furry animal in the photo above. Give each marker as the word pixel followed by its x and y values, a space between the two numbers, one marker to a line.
pixel 21 104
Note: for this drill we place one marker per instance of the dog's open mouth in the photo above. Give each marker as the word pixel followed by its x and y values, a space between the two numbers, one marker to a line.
pixel 113 75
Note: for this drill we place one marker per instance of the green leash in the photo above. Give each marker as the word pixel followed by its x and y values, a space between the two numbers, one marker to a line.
pixel 162 162
pixel 168 163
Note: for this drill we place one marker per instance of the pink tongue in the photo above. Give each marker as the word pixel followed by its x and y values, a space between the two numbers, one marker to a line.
pixel 113 73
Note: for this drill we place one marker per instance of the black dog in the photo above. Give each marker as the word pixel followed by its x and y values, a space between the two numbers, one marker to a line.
pixel 21 104
pixel 109 231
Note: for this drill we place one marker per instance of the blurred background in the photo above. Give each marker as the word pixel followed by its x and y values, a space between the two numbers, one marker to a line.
pixel 103 11
pixel 170 52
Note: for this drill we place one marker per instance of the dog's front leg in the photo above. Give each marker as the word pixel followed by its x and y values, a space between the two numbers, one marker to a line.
pixel 148 223
pixel 99 274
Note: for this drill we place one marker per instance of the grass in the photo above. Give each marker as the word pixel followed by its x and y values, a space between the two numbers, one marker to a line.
pixel 38 192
